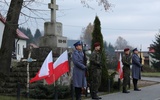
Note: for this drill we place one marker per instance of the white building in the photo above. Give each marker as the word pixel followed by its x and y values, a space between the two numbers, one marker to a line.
pixel 20 41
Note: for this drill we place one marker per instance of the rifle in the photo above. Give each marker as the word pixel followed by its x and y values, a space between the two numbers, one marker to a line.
pixel 141 58
pixel 84 52
pixel 85 58
pixel 85 63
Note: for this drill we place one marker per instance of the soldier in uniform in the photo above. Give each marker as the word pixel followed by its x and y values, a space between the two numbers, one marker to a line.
pixel 126 60
pixel 136 69
pixel 95 70
pixel 79 77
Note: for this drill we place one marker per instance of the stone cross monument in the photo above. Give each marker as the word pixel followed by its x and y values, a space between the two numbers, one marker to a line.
pixel 53 30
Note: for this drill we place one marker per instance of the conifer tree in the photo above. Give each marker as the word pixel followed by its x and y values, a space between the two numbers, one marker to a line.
pixel 156 54
pixel 37 36
pixel 98 37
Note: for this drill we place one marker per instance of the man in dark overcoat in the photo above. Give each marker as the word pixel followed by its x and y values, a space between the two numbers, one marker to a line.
pixel 79 70
pixel 136 69
pixel 95 70
pixel 126 60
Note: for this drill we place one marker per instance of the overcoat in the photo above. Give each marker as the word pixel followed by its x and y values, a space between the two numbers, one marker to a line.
pixel 136 67
pixel 79 69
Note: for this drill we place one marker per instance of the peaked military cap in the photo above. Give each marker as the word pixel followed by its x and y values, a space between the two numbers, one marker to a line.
pixel 126 49
pixel 78 43
pixel 135 49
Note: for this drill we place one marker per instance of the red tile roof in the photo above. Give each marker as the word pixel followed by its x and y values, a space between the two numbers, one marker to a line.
pixel 19 33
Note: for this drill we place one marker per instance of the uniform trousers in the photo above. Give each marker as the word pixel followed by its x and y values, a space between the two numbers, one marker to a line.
pixel 78 91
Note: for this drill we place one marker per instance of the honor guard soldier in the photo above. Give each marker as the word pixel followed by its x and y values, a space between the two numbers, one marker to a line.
pixel 95 70
pixel 136 69
pixel 79 70
pixel 126 60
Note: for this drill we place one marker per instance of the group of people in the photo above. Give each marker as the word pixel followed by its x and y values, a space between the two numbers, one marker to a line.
pixel 127 61
pixel 80 69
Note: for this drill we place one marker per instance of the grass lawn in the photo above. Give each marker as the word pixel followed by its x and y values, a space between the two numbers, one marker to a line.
pixel 12 98
pixel 151 74
pixel 7 98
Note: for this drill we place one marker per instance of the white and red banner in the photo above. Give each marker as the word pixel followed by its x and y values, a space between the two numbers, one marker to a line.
pixel 119 67
pixel 51 72
pixel 60 66
pixel 46 69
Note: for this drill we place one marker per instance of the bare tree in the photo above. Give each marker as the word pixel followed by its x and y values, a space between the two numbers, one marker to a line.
pixel 121 43
pixel 103 3
pixel 87 34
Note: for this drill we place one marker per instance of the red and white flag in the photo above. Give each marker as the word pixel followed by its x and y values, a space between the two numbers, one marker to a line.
pixel 119 67
pixel 46 69
pixel 60 66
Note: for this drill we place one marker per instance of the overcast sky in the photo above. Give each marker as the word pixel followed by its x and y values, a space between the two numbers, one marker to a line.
pixel 137 21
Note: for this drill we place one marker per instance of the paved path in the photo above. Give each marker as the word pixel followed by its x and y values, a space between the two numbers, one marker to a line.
pixel 147 93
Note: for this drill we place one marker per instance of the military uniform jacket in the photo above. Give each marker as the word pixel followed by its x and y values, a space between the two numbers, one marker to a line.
pixel 126 60
pixel 95 60
pixel 136 67
pixel 79 69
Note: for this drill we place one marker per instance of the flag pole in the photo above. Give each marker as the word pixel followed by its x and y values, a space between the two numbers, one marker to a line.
pixel 119 84
pixel 119 80
pixel 55 89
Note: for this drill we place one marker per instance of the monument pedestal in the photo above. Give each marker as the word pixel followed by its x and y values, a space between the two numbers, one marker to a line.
pixel 53 36
pixel 53 41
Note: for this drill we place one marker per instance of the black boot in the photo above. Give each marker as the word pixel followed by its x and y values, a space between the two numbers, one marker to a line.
pixel 94 95
pixel 78 93
pixel 124 90
pixel 135 85
pixel 136 88
pixel 98 96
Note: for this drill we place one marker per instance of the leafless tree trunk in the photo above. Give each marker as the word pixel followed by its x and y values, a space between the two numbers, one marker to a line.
pixel 9 34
